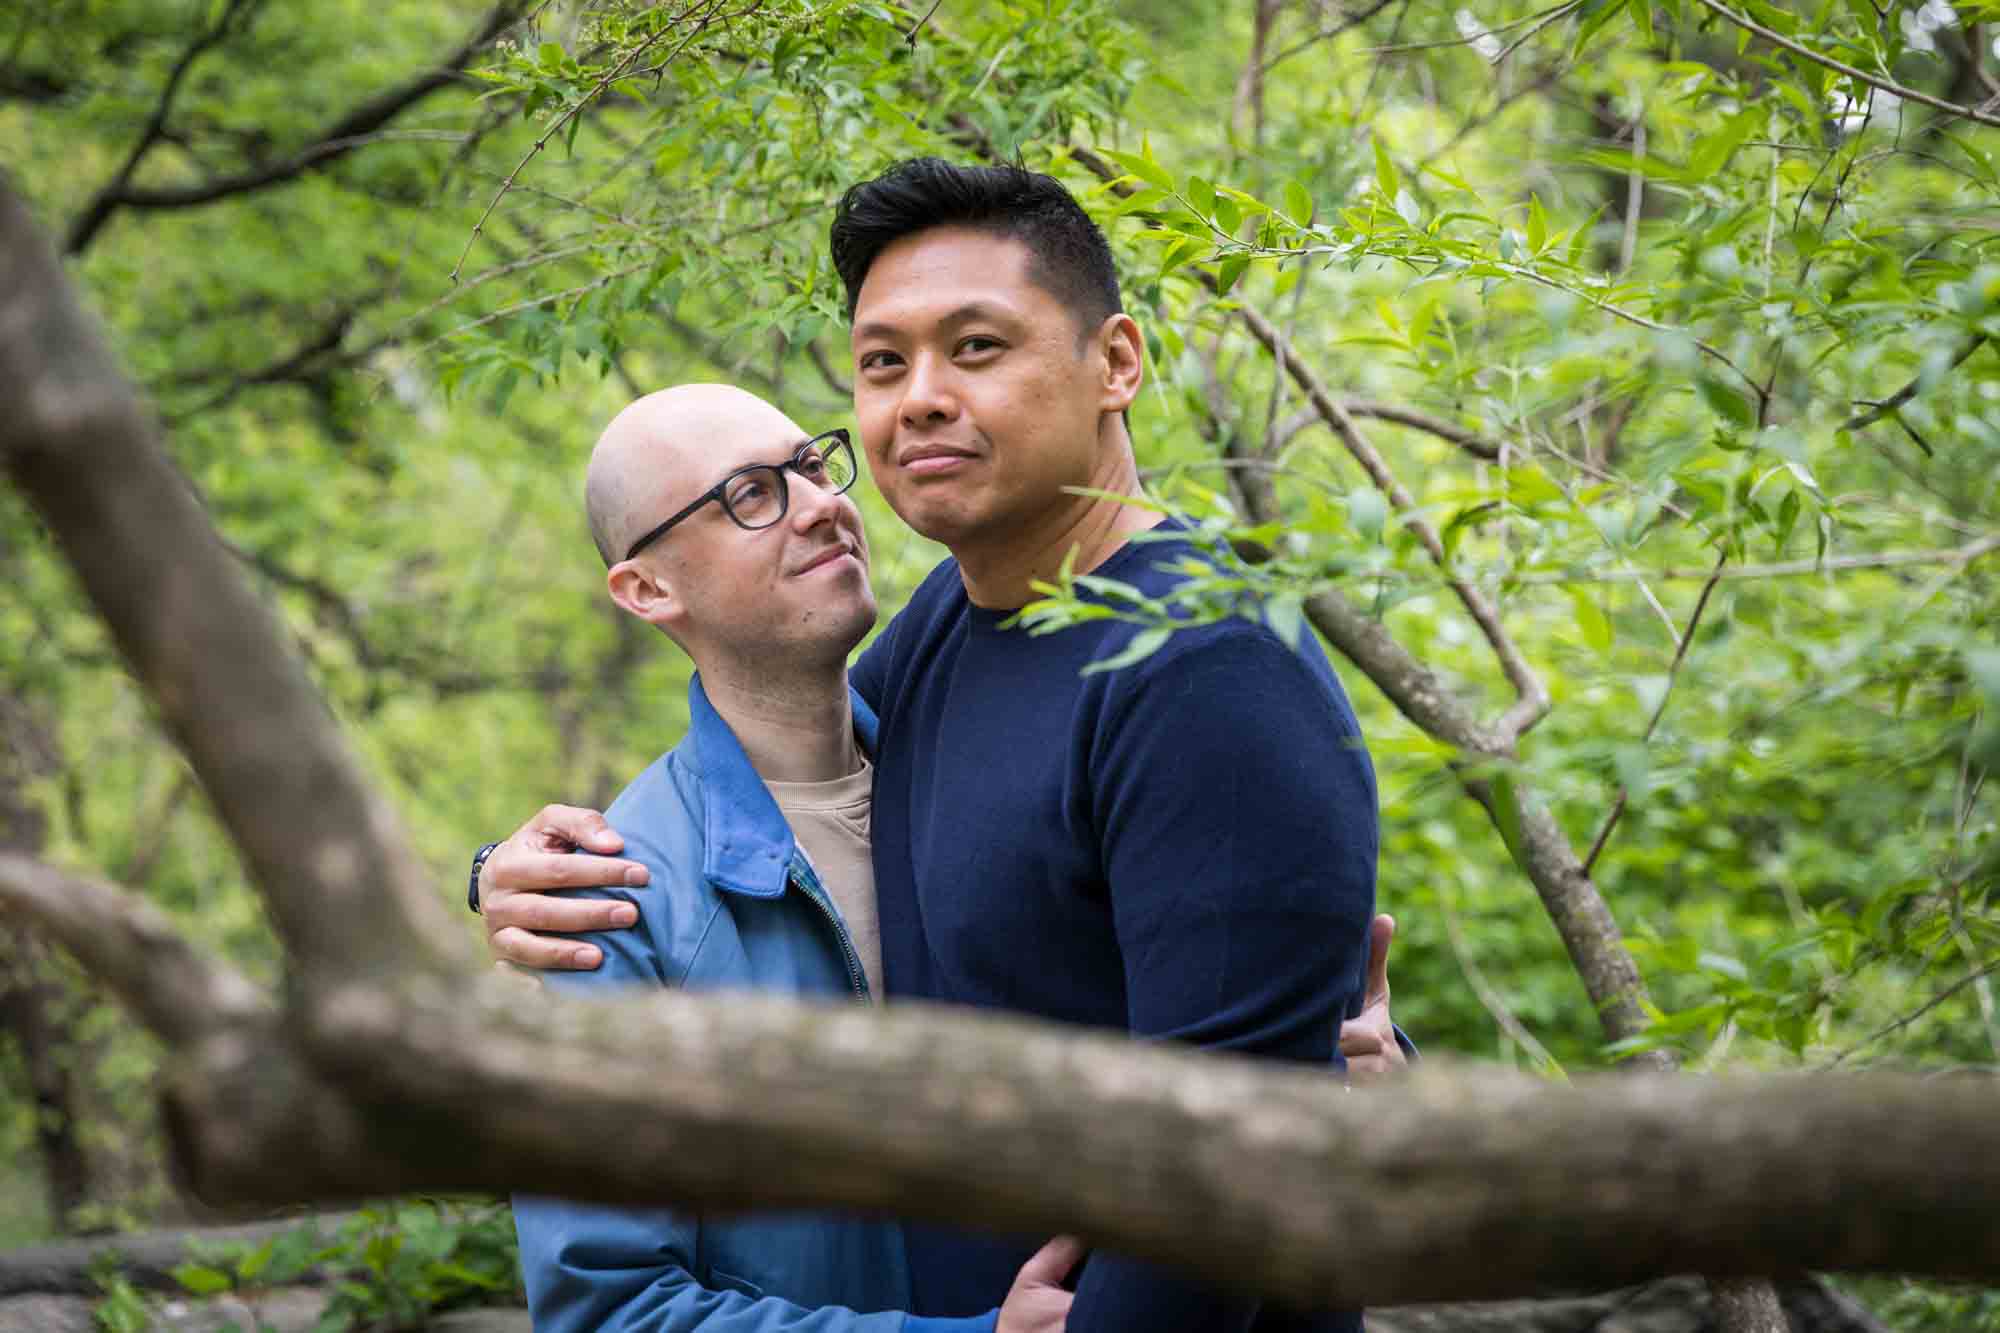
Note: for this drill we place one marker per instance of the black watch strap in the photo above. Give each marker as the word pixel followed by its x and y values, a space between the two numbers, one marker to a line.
pixel 478 864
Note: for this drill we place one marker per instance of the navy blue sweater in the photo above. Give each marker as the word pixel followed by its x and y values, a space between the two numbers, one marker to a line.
pixel 1184 849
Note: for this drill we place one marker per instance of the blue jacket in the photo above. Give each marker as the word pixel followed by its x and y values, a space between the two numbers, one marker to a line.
pixel 731 904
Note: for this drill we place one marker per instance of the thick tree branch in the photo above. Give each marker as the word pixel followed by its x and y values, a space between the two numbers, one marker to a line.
pixel 332 144
pixel 1265 1177
pixel 129 944
pixel 81 448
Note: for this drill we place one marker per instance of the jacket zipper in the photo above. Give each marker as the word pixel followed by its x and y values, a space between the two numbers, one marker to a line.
pixel 856 978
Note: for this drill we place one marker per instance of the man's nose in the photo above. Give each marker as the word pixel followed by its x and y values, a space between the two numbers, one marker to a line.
pixel 809 504
pixel 927 392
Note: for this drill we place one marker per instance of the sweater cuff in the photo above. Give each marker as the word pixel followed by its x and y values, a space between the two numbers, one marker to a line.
pixel 979 1323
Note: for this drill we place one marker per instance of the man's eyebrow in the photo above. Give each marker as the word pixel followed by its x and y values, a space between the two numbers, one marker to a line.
pixel 965 314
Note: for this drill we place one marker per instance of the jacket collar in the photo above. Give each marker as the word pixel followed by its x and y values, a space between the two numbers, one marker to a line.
pixel 747 845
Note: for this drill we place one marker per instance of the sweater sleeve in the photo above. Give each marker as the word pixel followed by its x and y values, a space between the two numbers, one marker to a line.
pixel 590 1267
pixel 1237 815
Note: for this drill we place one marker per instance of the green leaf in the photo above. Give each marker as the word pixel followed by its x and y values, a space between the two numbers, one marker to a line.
pixel 1590 619
pixel 1298 202
pixel 1143 645
pixel 201 1279
pixel 1386 179
pixel 1228 213
pixel 1145 169
pixel 1228 271
pixel 1202 195
pixel 1286 616
pixel 1538 224
pixel 1728 404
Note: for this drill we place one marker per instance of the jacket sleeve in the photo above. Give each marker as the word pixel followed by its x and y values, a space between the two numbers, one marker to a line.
pixel 1237 814
pixel 590 1267
pixel 627 1270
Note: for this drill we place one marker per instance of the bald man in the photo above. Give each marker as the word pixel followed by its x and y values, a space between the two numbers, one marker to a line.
pixel 728 527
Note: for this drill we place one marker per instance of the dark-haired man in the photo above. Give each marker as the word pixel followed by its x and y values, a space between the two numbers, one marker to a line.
pixel 1183 848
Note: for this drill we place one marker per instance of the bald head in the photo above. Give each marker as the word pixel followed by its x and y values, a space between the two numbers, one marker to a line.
pixel 662 450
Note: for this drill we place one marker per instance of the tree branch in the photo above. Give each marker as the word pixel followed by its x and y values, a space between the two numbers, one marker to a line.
pixel 339 139
pixel 1682 642
pixel 1872 80
pixel 1887 407
pixel 82 450
pixel 98 211
pixel 127 943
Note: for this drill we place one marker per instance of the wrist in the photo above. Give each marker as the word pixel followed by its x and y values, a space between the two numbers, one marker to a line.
pixel 478 865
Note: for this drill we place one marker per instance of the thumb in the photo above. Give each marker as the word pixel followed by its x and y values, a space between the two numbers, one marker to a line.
pixel 1380 932
pixel 1049 1265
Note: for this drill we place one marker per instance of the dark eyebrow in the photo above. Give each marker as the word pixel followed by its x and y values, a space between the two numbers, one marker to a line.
pixel 965 314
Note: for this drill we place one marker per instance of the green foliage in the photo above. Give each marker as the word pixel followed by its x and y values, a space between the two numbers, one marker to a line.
pixel 390 1267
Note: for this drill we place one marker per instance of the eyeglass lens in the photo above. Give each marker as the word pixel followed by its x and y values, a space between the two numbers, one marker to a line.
pixel 756 496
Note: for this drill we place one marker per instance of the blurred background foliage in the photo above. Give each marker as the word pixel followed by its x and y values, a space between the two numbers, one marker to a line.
pixel 1627 293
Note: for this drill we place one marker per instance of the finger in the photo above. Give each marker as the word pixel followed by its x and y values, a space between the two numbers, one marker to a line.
pixel 1358 1040
pixel 517 870
pixel 1368 1069
pixel 514 945
pixel 1049 1265
pixel 1380 932
pixel 566 916
pixel 575 826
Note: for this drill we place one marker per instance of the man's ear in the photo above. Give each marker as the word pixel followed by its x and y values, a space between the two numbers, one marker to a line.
pixel 646 593
pixel 1121 349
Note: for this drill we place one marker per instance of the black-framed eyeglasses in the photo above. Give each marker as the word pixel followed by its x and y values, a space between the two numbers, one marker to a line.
pixel 757 496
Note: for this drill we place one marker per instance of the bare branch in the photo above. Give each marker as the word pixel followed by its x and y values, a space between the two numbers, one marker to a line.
pixel 1971 978
pixel 98 211
pixel 1887 407
pixel 353 130
pixel 1681 645
pixel 179 992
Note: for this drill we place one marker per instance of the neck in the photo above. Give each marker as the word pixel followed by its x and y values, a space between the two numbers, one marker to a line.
pixel 795 727
pixel 1001 575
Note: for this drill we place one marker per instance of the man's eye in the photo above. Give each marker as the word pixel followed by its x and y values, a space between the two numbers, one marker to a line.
pixel 750 491
pixel 979 343
pixel 811 466
pixel 878 360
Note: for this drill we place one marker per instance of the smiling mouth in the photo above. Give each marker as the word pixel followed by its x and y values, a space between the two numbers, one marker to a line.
pixel 827 557
pixel 927 460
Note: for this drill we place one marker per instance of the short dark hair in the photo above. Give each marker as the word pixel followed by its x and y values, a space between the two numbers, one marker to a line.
pixel 1068 256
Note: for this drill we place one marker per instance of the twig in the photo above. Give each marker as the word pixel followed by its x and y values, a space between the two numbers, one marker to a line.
pixel 911 35
pixel 1888 406
pixel 1908 94
pixel 1490 999
pixel 1781 569
pixel 1660 708
pixel 571 112
pixel 1916 1013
